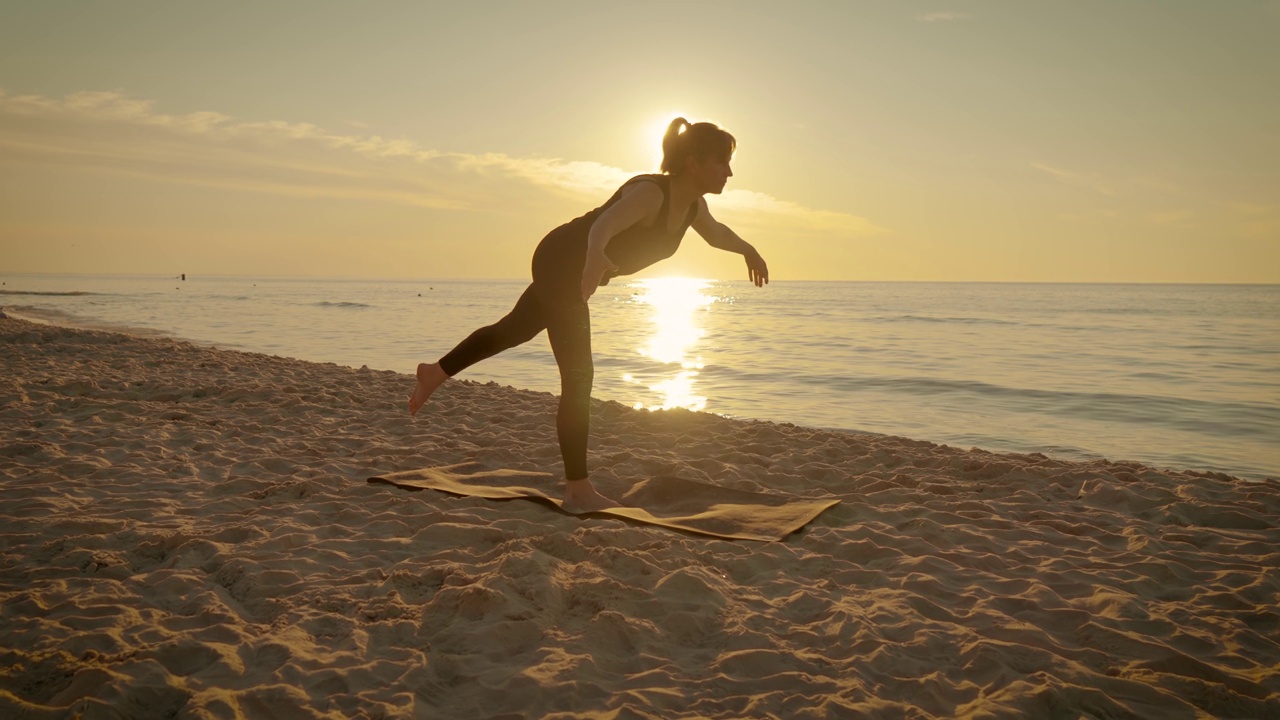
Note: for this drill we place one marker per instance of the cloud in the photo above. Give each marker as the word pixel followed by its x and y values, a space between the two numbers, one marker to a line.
pixel 109 132
pixel 944 16
pixel 1158 187
pixel 1250 208
pixel 1173 218
pixel 757 207
pixel 1090 181
pixel 1256 220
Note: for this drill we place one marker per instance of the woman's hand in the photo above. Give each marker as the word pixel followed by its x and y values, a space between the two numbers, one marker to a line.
pixel 597 265
pixel 757 270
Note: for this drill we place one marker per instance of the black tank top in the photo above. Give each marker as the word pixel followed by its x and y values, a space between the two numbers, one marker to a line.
pixel 562 254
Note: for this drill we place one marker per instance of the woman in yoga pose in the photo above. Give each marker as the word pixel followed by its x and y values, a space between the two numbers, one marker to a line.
pixel 642 223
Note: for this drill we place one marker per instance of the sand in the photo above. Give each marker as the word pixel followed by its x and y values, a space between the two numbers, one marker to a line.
pixel 187 532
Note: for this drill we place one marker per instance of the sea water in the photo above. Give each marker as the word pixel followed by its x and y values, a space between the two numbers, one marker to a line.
pixel 1177 376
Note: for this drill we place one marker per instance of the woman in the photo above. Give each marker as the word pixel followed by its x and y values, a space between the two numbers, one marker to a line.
pixel 641 224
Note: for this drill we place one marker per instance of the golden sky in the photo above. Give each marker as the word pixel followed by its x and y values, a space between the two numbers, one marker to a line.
pixel 1093 141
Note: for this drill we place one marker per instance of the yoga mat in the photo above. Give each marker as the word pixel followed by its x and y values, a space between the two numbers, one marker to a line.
pixel 665 501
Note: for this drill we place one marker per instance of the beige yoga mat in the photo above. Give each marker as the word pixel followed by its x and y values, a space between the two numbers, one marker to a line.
pixel 667 501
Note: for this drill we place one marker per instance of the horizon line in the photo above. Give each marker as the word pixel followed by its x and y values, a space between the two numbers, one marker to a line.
pixel 349 278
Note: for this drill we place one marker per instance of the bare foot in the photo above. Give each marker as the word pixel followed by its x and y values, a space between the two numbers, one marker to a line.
pixel 581 497
pixel 430 377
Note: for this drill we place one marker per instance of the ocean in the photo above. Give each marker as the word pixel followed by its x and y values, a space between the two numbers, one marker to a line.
pixel 1174 376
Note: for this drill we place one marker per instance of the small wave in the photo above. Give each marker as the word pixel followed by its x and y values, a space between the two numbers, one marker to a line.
pixel 929 319
pixel 326 303
pixel 49 293
pixel 1225 418
pixel 1221 418
pixel 59 318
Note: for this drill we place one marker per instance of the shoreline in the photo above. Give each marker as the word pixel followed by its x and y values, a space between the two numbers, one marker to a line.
pixel 55 318
pixel 188 531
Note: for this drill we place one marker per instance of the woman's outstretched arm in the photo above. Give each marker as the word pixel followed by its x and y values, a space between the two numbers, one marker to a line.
pixel 720 236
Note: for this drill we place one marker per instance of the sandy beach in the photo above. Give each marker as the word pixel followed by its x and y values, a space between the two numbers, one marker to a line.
pixel 187 532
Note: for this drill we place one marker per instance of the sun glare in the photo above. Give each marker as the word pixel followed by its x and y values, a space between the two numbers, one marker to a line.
pixel 675 302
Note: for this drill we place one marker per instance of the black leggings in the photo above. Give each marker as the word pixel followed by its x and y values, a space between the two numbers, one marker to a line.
pixel 568 324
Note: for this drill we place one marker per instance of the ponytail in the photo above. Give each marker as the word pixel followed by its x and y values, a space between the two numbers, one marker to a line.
pixel 671 144
pixel 699 140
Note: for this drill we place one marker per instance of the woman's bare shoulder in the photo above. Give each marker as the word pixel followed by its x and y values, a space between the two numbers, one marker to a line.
pixel 643 190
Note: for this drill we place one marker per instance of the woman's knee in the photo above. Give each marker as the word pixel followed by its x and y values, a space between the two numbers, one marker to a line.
pixel 513 331
pixel 576 381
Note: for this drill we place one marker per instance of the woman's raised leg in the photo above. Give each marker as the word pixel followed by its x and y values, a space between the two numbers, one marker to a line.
pixel 520 325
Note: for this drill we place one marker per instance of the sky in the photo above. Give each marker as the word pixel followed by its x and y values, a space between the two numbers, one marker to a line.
pixel 894 140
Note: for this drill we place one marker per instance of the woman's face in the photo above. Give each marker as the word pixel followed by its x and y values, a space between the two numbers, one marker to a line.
pixel 711 173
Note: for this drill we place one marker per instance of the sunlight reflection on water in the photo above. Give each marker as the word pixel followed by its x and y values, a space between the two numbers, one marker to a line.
pixel 675 304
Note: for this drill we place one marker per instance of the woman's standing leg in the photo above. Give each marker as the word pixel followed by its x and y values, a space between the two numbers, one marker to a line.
pixel 519 326
pixel 569 329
